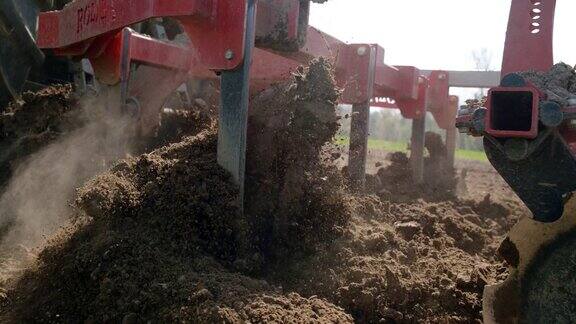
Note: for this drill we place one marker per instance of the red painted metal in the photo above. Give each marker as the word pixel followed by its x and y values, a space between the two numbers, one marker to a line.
pixel 318 44
pixel 398 82
pixel 143 49
pixel 165 67
pixel 410 80
pixel 362 74
pixel 106 59
pixel 155 52
pixel 223 34
pixel 278 16
pixel 439 86
pixel 355 69
pixel 388 81
pixel 384 102
pixel 405 86
pixel 85 19
pixel 439 102
pixel 217 30
pixel 530 134
pixel 269 68
pixel 529 44
pixel 415 108
pixel 92 28
pixel 400 87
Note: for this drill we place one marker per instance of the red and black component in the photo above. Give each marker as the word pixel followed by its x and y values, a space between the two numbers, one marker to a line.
pixel 527 134
pixel 244 44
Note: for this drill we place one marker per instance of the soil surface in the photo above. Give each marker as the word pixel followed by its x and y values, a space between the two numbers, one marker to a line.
pixel 295 196
pixel 160 238
pixel 393 177
pixel 159 242
pixel 31 124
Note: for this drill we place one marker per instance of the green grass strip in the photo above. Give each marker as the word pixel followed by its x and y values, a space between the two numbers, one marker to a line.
pixel 376 144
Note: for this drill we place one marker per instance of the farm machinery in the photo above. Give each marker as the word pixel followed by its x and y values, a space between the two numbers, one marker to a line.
pixel 243 45
pixel 247 45
pixel 527 123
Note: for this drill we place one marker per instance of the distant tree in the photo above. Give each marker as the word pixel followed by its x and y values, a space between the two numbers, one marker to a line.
pixel 483 62
pixel 482 59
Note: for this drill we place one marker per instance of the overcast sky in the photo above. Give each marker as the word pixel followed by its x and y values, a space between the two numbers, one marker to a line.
pixel 439 34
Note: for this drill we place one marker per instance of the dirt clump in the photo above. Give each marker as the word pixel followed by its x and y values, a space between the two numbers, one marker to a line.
pixel 558 83
pixel 159 237
pixel 439 178
pixel 52 143
pixel 395 182
pixel 27 126
pixel 294 195
pixel 174 126
pixel 476 103
pixel 161 230
pixel 34 122
pixel 406 263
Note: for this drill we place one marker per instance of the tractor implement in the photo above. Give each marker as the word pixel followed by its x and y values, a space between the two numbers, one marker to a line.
pixel 243 44
pixel 529 138
pixel 249 45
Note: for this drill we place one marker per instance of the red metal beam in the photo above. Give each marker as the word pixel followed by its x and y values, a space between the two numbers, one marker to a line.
pixel 439 102
pixel 415 108
pixel 155 52
pixel 529 44
pixel 84 19
pixel 269 68
pixel 471 79
pixel 387 81
pixel 217 31
pixel 318 44
pixel 90 28
pixel 278 16
pixel 355 69
pixel 321 44
pixel 144 49
pixel 360 70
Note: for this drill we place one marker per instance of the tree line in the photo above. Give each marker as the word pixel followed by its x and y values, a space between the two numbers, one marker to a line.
pixel 389 125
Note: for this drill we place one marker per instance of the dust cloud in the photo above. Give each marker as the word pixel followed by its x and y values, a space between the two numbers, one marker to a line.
pixel 36 202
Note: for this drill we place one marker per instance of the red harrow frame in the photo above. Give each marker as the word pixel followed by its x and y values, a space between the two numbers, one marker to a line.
pixel 248 47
